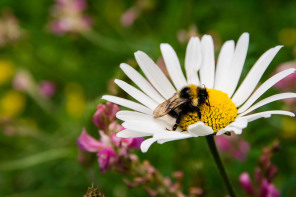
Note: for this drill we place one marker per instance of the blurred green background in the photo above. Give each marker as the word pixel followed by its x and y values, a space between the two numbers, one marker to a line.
pixel 38 150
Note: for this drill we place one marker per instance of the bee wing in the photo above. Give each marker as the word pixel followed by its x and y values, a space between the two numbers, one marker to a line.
pixel 168 105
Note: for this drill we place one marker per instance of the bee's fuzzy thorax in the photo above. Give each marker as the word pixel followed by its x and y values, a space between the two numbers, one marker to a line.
pixel 194 94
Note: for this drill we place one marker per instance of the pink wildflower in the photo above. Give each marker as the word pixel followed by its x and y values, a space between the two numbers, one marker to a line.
pixel 233 145
pixel 47 89
pixel 69 17
pixel 264 174
pixel 106 157
pixel 264 187
pixel 109 148
pixel 268 190
pixel 103 147
pixel 133 143
pixel 288 82
pixel 88 143
pixel 129 17
pixel 105 115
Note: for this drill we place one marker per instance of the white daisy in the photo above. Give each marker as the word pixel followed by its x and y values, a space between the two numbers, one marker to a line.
pixel 230 104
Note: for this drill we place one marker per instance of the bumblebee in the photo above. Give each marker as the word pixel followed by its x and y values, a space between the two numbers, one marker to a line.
pixel 188 99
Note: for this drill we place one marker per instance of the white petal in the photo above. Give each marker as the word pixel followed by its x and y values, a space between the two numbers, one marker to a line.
pixel 236 130
pixel 132 115
pixel 239 123
pixel 127 133
pixel 193 60
pixel 173 139
pixel 144 126
pixel 237 63
pixel 155 75
pixel 141 82
pixel 264 87
pixel 128 104
pixel 136 116
pixel 237 126
pixel 146 144
pixel 162 141
pixel 266 114
pixel 223 65
pixel 136 94
pixel 269 100
pixel 200 129
pixel 254 76
pixel 221 131
pixel 173 66
pixel 207 70
pixel 170 136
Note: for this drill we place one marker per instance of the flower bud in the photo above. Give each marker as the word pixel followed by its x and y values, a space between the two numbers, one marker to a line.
pixel 271 172
pixel 93 192
pixel 104 115
pixel 246 183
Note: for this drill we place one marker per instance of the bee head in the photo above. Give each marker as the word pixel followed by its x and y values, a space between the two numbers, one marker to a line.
pixel 203 95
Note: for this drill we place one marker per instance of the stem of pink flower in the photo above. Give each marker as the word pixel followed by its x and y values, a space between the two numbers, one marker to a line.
pixel 216 156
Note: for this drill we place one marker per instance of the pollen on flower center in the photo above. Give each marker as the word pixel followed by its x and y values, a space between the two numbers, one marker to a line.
pixel 218 115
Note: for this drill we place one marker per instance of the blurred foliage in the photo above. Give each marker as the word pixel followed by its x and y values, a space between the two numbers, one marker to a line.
pixel 39 154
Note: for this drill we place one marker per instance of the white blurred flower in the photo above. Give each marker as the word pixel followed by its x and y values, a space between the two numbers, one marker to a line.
pixel 10 30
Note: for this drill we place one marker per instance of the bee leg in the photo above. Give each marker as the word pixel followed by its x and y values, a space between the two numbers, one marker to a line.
pixel 177 121
pixel 174 114
pixel 198 112
pixel 175 127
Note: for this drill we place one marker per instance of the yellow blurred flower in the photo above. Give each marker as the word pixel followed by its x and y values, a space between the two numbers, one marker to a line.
pixel 29 122
pixel 287 36
pixel 6 71
pixel 289 128
pixel 75 100
pixel 12 104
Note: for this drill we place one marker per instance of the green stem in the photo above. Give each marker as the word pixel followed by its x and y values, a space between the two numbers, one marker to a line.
pixel 215 154
pixel 104 42
pixel 121 46
pixel 36 159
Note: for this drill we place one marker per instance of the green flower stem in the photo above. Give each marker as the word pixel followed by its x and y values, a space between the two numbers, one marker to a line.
pixel 116 45
pixel 36 159
pixel 104 42
pixel 215 154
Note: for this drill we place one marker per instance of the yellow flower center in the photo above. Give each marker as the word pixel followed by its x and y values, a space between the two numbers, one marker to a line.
pixel 218 115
